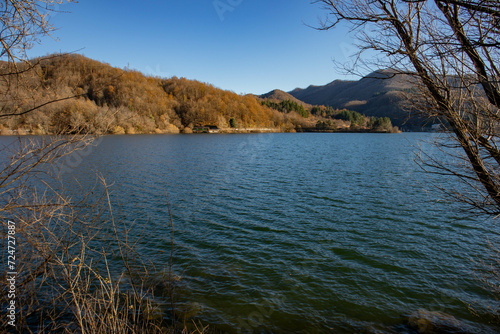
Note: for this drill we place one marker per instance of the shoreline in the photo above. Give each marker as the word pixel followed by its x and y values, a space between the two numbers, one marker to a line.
pixel 8 132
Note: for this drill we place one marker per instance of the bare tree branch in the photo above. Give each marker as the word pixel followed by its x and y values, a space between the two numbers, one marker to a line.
pixel 452 49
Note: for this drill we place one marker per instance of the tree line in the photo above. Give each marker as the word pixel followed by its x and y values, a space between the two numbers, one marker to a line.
pixel 330 119
pixel 287 106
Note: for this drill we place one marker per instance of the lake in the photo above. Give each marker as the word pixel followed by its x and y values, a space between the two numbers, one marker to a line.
pixel 298 233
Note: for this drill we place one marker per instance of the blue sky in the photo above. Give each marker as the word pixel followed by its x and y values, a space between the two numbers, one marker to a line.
pixel 247 46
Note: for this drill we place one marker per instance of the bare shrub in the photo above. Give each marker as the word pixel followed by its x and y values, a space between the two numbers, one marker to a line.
pixel 66 281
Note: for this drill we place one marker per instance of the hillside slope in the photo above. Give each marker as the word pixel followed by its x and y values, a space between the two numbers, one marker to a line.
pixel 378 94
pixel 95 97
pixel 113 100
pixel 278 95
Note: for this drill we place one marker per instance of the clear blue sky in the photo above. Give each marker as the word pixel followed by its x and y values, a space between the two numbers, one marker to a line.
pixel 247 46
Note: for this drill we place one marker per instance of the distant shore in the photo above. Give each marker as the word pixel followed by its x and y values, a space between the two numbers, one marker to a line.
pixel 23 132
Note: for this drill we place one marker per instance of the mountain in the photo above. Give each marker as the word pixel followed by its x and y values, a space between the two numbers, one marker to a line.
pixel 378 94
pixel 279 95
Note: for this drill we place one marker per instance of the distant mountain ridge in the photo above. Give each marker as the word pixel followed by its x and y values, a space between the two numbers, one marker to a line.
pixel 377 94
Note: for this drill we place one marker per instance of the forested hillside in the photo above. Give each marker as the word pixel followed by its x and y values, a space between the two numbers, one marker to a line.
pixel 325 118
pixel 112 100
pixel 279 95
pixel 93 97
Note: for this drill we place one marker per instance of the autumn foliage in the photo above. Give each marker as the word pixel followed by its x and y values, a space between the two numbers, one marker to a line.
pixel 112 100
pixel 93 97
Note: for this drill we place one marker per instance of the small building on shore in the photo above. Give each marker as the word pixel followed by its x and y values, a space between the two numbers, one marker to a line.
pixel 206 129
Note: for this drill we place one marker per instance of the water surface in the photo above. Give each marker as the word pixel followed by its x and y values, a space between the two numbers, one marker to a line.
pixel 298 233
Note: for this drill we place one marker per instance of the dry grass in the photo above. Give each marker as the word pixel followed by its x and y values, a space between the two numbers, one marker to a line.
pixel 78 268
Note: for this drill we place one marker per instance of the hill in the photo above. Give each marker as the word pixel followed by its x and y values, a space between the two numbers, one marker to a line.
pixel 112 100
pixel 323 118
pixel 279 95
pixel 94 97
pixel 378 94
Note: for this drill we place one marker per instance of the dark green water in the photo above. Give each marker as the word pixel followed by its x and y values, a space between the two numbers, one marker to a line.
pixel 299 233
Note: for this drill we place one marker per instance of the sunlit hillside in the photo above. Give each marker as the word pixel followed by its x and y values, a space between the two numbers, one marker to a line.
pixel 75 94
pixel 113 100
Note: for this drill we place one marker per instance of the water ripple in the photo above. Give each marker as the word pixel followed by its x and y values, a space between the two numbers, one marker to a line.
pixel 297 232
